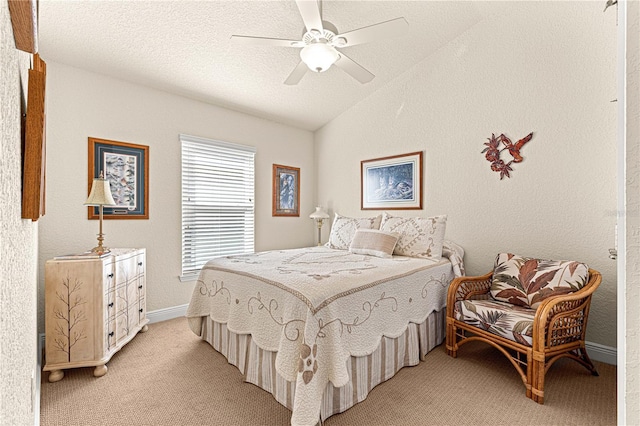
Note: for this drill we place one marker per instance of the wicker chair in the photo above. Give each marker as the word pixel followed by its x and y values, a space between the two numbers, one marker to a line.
pixel 559 326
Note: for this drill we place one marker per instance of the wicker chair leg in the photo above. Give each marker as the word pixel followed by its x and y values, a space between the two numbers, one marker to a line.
pixel 529 383
pixel 452 347
pixel 586 361
pixel 451 342
pixel 537 386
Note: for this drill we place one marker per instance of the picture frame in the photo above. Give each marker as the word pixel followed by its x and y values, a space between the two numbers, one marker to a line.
pixel 34 144
pixel 126 167
pixel 392 183
pixel 286 191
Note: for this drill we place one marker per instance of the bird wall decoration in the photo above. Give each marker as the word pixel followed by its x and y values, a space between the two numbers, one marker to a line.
pixel 492 152
pixel 609 4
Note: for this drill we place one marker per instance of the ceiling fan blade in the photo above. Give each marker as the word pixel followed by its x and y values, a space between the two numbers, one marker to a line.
pixel 354 69
pixel 266 41
pixel 373 32
pixel 310 11
pixel 296 75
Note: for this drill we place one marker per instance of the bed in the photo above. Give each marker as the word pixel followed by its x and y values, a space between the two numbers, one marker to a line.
pixel 319 327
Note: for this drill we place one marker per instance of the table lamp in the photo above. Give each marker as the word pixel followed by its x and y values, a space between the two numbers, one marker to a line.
pixel 319 216
pixel 100 196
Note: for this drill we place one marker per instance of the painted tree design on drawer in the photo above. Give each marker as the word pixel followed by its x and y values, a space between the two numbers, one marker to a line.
pixel 124 299
pixel 129 277
pixel 69 316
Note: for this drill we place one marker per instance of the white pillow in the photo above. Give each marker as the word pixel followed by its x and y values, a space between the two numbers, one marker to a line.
pixel 419 236
pixel 373 242
pixel 344 228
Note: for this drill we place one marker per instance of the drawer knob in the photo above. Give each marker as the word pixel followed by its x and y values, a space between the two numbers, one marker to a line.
pixel 111 305
pixel 141 309
pixel 139 263
pixel 110 275
pixel 111 334
pixel 140 286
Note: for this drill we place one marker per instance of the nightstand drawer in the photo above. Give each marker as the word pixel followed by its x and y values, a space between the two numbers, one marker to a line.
pixel 110 305
pixel 142 310
pixel 110 333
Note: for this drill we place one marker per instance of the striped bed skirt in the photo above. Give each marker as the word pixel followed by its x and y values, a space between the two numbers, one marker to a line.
pixel 365 372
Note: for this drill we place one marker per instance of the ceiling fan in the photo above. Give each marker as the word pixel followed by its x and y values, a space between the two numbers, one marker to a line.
pixel 321 40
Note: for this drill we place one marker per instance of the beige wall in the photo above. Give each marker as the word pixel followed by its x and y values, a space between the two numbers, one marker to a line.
pixel 18 243
pixel 630 374
pixel 542 67
pixel 82 104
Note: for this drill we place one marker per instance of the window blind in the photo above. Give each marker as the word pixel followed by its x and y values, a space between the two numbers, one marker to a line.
pixel 217 201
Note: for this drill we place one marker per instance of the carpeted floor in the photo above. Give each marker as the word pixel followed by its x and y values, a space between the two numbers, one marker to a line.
pixel 168 376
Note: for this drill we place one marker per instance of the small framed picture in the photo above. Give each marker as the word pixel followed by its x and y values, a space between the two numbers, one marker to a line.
pixel 286 191
pixel 126 167
pixel 392 182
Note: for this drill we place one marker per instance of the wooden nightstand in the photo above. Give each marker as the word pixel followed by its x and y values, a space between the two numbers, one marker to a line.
pixel 93 307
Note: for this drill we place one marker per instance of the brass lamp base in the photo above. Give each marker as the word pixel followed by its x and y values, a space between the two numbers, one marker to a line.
pixel 319 222
pixel 100 249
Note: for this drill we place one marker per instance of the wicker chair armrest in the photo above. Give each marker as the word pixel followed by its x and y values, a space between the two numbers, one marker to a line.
pixel 464 288
pixel 561 319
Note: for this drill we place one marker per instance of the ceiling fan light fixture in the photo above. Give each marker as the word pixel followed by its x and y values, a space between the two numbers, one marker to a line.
pixel 319 56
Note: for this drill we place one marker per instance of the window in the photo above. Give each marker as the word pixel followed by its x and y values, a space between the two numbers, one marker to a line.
pixel 217 201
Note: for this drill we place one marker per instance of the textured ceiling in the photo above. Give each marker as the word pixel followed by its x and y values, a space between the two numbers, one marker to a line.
pixel 184 47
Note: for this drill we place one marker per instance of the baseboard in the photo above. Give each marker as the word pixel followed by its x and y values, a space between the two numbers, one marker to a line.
pixel 167 313
pixel 602 353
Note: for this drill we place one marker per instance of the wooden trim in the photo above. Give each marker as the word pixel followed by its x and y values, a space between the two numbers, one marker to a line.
pixel 388 206
pixel 92 173
pixel 275 209
pixel 24 20
pixel 34 156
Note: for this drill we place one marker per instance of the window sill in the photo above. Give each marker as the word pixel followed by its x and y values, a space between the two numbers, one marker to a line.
pixel 188 278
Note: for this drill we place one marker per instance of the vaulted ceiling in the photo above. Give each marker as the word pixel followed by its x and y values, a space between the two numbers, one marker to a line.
pixel 184 47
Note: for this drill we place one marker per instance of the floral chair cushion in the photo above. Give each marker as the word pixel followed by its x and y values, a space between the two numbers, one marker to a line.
pixel 500 318
pixel 525 281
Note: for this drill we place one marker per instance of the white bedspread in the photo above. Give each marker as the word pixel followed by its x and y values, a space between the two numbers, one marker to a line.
pixel 317 307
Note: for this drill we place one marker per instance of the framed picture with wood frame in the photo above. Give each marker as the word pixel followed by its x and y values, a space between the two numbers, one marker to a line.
pixel 392 183
pixel 126 167
pixel 286 191
pixel 34 145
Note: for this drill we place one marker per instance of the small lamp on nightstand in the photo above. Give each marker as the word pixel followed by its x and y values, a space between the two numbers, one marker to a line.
pixel 100 195
pixel 319 216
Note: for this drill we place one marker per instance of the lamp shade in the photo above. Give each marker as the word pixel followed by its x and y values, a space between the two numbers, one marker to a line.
pixel 319 214
pixel 319 56
pixel 100 194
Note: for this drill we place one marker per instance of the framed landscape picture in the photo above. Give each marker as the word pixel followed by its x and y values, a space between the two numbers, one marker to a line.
pixel 392 183
pixel 126 167
pixel 286 191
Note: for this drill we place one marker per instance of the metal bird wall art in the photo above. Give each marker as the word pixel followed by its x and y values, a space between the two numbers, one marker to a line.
pixel 609 4
pixel 493 151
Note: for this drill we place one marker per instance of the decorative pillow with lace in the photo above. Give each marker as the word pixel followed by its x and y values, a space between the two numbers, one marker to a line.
pixel 373 242
pixel 419 236
pixel 526 281
pixel 344 228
